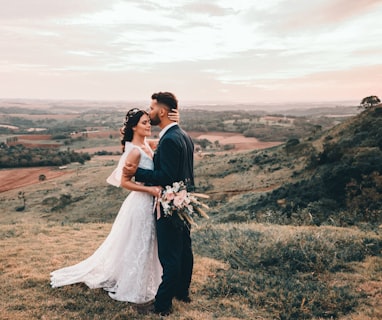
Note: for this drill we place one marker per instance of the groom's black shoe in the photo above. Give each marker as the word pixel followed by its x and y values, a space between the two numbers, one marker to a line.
pixel 185 299
pixel 145 308
pixel 163 313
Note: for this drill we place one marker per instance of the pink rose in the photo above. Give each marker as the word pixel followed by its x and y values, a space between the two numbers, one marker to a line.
pixel 169 196
pixel 179 198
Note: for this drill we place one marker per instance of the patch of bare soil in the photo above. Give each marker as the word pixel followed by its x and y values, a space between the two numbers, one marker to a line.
pixel 20 177
pixel 241 142
pixel 35 137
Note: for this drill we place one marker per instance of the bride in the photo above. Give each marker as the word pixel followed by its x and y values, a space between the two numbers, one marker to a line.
pixel 126 264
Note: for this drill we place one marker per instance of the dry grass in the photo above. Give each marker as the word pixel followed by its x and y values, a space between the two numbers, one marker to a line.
pixel 220 289
pixel 29 252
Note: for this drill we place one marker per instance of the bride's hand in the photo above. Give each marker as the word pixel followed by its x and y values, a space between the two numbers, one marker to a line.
pixel 153 143
pixel 155 191
pixel 174 115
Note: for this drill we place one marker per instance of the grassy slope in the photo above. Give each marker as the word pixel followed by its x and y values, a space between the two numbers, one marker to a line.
pixel 242 271
pixel 247 271
pixel 333 179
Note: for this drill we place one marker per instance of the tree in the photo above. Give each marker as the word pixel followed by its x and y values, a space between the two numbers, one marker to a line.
pixel 316 128
pixel 369 102
pixel 290 144
pixel 21 196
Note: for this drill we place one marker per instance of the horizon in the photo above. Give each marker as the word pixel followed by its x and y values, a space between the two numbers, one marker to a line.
pixel 188 102
pixel 84 104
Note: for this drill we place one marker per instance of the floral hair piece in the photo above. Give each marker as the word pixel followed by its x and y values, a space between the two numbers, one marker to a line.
pixel 131 113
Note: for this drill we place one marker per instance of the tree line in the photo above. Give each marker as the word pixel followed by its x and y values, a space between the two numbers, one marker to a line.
pixel 21 156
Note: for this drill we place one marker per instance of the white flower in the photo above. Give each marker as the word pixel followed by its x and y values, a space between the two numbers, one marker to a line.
pixel 175 198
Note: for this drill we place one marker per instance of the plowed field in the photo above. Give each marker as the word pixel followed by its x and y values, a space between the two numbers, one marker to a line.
pixel 20 177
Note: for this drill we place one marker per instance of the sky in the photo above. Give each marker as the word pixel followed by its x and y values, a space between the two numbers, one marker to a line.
pixel 212 51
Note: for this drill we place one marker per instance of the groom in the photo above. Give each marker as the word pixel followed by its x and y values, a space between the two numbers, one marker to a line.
pixel 173 162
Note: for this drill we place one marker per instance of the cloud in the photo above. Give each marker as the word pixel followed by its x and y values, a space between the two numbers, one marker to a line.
pixel 294 15
pixel 43 9
pixel 339 10
pixel 350 84
pixel 220 49
pixel 192 83
pixel 204 8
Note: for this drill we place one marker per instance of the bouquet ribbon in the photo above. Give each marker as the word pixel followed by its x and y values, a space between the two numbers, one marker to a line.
pixel 157 208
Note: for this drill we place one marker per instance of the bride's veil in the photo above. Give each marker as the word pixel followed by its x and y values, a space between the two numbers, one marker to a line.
pixel 115 178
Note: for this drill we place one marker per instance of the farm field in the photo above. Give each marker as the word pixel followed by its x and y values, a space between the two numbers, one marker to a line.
pixel 240 142
pixel 15 178
pixel 21 177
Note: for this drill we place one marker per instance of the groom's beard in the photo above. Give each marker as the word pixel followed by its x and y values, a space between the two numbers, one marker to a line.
pixel 155 120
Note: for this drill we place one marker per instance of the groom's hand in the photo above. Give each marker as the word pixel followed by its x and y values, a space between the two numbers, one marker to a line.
pixel 129 170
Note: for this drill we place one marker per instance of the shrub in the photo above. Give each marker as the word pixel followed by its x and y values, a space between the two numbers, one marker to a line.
pixel 288 272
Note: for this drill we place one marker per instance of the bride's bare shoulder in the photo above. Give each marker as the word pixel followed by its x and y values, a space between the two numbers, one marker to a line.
pixel 134 155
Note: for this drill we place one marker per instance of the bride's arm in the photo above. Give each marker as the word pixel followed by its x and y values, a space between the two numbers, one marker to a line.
pixel 174 115
pixel 132 161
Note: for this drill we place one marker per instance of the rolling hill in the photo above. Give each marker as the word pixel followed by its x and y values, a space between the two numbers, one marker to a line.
pixel 294 233
pixel 333 178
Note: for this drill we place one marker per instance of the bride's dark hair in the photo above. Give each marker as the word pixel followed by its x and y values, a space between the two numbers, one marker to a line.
pixel 131 120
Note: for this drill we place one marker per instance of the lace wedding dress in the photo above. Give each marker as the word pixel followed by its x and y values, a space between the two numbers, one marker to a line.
pixel 126 264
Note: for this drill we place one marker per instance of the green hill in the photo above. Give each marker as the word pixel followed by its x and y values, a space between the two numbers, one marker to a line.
pixel 334 178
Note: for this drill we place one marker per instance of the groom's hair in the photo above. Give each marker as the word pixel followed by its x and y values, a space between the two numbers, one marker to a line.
pixel 166 98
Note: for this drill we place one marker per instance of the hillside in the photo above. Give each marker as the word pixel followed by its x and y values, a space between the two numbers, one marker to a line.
pixel 334 178
pixel 283 241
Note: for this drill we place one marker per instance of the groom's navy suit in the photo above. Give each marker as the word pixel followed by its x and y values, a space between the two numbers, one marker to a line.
pixel 173 162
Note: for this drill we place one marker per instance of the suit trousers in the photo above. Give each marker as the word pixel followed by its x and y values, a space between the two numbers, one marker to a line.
pixel 176 258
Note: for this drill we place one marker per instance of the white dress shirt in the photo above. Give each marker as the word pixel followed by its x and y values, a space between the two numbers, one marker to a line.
pixel 164 130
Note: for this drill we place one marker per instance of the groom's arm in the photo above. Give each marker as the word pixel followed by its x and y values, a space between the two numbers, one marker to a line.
pixel 169 164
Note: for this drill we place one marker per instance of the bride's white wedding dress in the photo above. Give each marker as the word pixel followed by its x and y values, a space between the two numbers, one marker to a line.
pixel 126 264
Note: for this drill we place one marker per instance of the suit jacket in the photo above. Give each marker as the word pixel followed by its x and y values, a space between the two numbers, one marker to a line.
pixel 173 161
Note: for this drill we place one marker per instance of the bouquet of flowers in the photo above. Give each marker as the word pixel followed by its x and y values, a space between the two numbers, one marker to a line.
pixel 176 199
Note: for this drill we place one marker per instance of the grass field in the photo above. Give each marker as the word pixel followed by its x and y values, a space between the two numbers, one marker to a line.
pixel 268 272
pixel 246 270
pixel 32 251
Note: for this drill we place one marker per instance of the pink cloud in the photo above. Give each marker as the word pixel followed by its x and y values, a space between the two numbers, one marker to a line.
pixel 343 9
pixel 351 84
pixel 191 85
pixel 327 12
